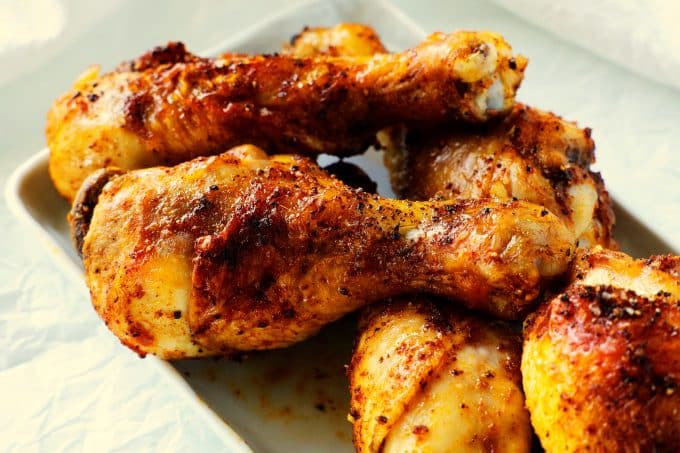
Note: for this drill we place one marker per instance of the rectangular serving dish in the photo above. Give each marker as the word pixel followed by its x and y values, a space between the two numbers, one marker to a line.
pixel 294 399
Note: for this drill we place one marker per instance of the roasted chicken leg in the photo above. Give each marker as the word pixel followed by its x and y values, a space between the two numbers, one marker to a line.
pixel 432 379
pixel 170 106
pixel 530 155
pixel 242 251
pixel 422 377
pixel 601 362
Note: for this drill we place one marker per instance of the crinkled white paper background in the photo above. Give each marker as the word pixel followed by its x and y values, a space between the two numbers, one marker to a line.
pixel 642 36
pixel 66 384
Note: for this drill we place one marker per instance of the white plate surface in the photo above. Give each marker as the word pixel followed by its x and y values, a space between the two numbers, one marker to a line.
pixel 295 399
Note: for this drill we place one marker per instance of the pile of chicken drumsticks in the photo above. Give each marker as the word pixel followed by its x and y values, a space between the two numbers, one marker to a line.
pixel 191 251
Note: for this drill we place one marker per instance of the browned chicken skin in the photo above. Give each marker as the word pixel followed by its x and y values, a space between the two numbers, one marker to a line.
pixel 529 155
pixel 436 379
pixel 170 106
pixel 342 40
pixel 422 377
pixel 241 251
pixel 601 362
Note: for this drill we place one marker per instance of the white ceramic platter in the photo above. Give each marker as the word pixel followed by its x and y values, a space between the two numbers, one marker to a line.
pixel 279 401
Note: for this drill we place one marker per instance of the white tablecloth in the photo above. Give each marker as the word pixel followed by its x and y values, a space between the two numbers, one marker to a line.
pixel 65 383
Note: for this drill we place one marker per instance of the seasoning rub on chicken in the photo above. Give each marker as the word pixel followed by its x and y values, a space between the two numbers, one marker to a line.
pixel 243 251
pixel 428 377
pixel 169 106
pixel 437 379
pixel 529 155
pixel 601 361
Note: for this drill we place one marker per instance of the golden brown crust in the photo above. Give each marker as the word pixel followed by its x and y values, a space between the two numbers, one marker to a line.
pixel 665 263
pixel 647 277
pixel 618 376
pixel 529 155
pixel 170 54
pixel 424 391
pixel 170 106
pixel 342 40
pixel 601 362
pixel 277 249
pixel 430 378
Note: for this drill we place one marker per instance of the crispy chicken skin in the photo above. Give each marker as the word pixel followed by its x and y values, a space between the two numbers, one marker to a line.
pixel 601 362
pixel 646 277
pixel 434 379
pixel 242 251
pixel 342 40
pixel 423 378
pixel 529 155
pixel 169 106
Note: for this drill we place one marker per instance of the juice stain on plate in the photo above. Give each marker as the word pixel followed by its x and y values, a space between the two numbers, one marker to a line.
pixel 300 389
